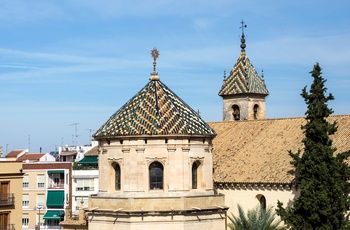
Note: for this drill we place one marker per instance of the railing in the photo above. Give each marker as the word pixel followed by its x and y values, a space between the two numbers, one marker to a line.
pixel 7 227
pixel 54 185
pixel 6 200
pixel 84 167
pixel 84 189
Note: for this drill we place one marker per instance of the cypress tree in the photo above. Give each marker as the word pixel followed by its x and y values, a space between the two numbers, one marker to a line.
pixel 321 176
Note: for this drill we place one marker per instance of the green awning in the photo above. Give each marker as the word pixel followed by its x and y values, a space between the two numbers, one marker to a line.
pixel 89 160
pixel 55 171
pixel 53 215
pixel 55 199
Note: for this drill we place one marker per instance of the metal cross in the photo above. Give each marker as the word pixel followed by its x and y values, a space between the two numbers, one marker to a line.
pixel 243 26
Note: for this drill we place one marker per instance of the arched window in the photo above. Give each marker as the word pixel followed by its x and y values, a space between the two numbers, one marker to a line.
pixel 117 176
pixel 236 112
pixel 262 201
pixel 256 110
pixel 156 176
pixel 194 175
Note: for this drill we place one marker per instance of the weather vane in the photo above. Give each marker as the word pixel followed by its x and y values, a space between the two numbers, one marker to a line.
pixel 155 55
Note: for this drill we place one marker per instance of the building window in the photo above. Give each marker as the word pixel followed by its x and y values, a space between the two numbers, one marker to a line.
pixel 85 185
pixel 25 200
pixel 117 176
pixel 25 220
pixel 40 200
pixel 53 223
pixel 41 180
pixel 236 112
pixel 25 181
pixel 262 201
pixel 194 175
pixel 256 110
pixel 4 219
pixel 156 176
pixel 64 158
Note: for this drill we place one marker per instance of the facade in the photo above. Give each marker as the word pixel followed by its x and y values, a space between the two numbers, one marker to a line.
pixel 85 180
pixel 11 177
pixel 155 166
pixel 84 183
pixel 46 194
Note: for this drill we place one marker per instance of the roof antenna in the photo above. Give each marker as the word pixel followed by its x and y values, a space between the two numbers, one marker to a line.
pixel 155 55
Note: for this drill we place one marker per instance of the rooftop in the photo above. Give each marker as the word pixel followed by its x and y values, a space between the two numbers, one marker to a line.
pixel 257 151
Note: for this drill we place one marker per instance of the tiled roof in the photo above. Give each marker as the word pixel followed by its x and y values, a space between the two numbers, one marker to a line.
pixel 92 152
pixel 14 153
pixel 30 157
pixel 243 79
pixel 257 151
pixel 154 110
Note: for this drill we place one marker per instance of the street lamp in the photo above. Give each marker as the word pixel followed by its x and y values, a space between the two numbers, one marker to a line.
pixel 39 207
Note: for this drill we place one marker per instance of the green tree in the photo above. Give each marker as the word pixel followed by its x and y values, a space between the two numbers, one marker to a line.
pixel 321 176
pixel 256 219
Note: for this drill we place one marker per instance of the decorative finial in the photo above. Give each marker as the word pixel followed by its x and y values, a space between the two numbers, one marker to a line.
pixel 224 75
pixel 155 55
pixel 243 37
pixel 262 74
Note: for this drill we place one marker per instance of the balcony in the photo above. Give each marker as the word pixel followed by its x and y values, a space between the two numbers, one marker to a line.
pixel 56 179
pixel 7 200
pixel 55 186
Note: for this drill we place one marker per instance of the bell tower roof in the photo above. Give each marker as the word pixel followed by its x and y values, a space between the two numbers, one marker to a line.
pixel 243 78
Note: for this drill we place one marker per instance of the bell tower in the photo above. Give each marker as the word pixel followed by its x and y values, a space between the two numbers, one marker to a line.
pixel 243 91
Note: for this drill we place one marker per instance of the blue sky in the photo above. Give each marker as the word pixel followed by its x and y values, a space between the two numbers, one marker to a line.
pixel 65 62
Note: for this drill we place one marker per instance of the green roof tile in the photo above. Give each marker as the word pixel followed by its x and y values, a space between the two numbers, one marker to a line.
pixel 154 110
pixel 243 79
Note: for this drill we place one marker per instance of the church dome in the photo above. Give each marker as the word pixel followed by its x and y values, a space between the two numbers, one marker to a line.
pixel 155 110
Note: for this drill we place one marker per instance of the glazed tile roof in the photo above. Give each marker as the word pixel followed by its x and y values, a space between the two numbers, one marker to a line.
pixel 243 78
pixel 154 110
pixel 257 151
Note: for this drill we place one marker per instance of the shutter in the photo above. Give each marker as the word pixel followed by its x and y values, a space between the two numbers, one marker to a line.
pixel 41 178
pixel 25 178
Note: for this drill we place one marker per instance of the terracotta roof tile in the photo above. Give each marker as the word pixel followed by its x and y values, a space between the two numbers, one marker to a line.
pixel 257 151
pixel 30 157
pixel 92 152
pixel 14 153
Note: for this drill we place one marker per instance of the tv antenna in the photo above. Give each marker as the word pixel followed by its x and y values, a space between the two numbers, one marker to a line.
pixel 90 131
pixel 76 132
